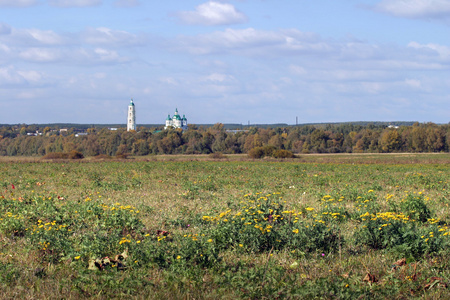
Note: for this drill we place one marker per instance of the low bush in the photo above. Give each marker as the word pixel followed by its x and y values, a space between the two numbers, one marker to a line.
pixel 283 154
pixel 262 224
pixel 75 155
pixel 61 230
pixel 63 155
pixel 217 155
pixel 414 207
pixel 401 234
pixel 256 152
pixel 269 151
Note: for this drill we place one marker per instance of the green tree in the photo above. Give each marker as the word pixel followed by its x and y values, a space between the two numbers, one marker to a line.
pixel 418 138
pixel 390 140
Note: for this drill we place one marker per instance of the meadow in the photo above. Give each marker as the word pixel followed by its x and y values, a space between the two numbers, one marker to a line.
pixel 177 227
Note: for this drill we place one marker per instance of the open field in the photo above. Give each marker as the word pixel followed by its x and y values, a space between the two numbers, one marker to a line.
pixel 319 226
pixel 358 158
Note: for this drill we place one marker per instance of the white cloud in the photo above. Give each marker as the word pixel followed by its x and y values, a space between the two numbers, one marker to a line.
pixel 414 83
pixel 17 3
pixel 97 56
pixel 31 76
pixel 40 55
pixel 297 70
pixel 301 49
pixel 409 63
pixel 8 76
pixel 99 75
pixel 4 48
pixel 11 77
pixel 349 75
pixel 442 51
pixel 38 46
pixel 213 13
pixel 106 55
pixel 94 36
pixel 74 3
pixel 168 80
pixel 46 37
pixel 126 3
pixel 416 8
pixel 107 36
pixel 250 41
pixel 218 77
pixel 35 37
pixel 69 56
pixel 27 95
pixel 5 28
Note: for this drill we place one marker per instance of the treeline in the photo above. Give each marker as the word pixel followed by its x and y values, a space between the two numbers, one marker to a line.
pixel 331 138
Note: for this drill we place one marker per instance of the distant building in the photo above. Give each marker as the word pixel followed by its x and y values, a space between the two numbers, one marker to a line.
pixel 131 123
pixel 176 121
pixel 34 133
pixel 236 130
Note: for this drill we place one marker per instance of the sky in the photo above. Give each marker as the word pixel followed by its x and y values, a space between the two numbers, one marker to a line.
pixel 230 61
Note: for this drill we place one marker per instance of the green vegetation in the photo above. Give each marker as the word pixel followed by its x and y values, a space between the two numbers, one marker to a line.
pixel 323 226
pixel 278 142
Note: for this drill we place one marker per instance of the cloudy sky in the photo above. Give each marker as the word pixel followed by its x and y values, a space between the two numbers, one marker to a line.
pixel 231 61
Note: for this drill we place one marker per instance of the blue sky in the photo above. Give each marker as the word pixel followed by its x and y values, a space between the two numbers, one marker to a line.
pixel 257 61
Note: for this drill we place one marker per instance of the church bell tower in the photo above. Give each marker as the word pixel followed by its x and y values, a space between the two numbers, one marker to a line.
pixel 131 124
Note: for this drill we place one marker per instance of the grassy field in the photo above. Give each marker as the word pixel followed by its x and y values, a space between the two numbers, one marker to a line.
pixel 319 226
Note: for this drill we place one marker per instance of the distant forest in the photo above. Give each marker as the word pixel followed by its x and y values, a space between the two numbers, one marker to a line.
pixel 40 140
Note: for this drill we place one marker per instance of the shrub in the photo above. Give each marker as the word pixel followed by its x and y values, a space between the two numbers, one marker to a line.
pixel 62 155
pixel 401 234
pixel 256 152
pixel 122 155
pixel 415 208
pixel 217 155
pixel 60 229
pixel 282 154
pixel 269 150
pixel 263 225
pixel 260 152
pixel 74 154
pixel 380 233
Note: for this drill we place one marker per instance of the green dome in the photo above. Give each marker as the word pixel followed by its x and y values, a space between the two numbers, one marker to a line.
pixel 176 116
pixel 131 103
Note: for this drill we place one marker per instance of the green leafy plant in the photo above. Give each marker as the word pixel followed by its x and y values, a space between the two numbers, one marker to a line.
pixel 414 207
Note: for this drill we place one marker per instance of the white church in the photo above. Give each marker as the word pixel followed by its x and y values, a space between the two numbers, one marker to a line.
pixel 171 122
pixel 176 121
